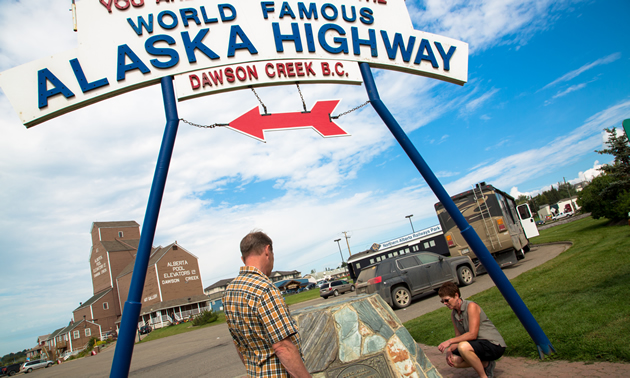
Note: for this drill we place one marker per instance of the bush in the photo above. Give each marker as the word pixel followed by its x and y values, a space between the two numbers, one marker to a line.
pixel 205 317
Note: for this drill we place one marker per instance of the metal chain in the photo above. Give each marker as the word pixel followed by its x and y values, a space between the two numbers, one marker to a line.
pixel 302 97
pixel 259 100
pixel 350 111
pixel 205 126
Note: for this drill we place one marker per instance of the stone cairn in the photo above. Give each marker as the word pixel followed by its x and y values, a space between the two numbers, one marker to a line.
pixel 359 336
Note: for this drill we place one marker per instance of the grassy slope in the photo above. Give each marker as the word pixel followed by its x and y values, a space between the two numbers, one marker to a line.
pixel 580 298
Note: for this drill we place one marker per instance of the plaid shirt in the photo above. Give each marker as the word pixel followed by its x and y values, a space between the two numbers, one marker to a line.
pixel 258 318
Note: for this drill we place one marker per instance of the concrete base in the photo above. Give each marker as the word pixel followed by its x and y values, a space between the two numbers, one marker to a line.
pixel 359 336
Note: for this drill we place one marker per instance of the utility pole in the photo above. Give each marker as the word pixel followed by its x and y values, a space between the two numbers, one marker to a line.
pixel 339 245
pixel 409 217
pixel 573 207
pixel 345 233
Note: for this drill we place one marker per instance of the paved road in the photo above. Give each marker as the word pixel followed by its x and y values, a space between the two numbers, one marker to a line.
pixel 210 353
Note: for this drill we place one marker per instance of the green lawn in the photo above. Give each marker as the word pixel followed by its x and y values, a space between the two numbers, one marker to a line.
pixel 302 297
pixel 187 327
pixel 180 328
pixel 580 298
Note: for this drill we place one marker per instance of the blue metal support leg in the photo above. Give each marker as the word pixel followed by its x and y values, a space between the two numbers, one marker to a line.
pixel 131 312
pixel 469 234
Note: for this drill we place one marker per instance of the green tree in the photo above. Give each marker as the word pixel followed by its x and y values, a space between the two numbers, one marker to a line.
pixel 608 195
pixel 521 199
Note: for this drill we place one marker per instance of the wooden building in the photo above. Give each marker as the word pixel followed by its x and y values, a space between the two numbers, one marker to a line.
pixel 172 290
pixel 172 286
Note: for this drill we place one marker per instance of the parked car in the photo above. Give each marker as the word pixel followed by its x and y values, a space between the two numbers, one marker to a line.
pixel 562 216
pixel 10 370
pixel 145 329
pixel 29 366
pixel 335 288
pixel 540 222
pixel 399 278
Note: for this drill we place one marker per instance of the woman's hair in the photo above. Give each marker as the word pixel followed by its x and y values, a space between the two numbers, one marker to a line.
pixel 449 289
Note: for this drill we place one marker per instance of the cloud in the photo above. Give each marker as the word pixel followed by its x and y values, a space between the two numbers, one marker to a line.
pixel 575 73
pixel 474 104
pixel 485 23
pixel 587 175
pixel 572 88
pixel 523 166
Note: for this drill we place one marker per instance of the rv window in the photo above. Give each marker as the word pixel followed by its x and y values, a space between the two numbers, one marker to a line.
pixel 395 253
pixel 371 261
pixel 432 243
pixel 426 245
pixel 523 212
pixel 358 265
pixel 378 259
pixel 406 250
pixel 389 255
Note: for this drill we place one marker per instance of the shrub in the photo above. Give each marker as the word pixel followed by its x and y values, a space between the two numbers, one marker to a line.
pixel 205 317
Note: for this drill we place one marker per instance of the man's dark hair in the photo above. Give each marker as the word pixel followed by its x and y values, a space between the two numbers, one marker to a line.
pixel 449 289
pixel 255 242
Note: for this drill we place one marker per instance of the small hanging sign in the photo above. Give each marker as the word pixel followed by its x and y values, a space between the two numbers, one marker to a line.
pixel 253 123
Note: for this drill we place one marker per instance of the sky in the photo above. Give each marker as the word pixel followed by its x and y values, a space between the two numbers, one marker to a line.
pixel 545 79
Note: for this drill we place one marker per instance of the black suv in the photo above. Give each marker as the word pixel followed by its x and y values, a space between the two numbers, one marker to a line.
pixel 10 370
pixel 398 279
pixel 145 329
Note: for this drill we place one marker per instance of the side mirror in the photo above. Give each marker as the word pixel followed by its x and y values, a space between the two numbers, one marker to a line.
pixel 441 258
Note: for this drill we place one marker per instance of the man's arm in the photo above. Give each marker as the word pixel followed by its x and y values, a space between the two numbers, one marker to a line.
pixel 290 358
pixel 474 319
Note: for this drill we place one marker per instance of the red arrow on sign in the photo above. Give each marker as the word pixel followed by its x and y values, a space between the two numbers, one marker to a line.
pixel 253 123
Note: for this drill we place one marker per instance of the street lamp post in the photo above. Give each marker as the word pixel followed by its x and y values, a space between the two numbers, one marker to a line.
pixel 339 245
pixel 409 217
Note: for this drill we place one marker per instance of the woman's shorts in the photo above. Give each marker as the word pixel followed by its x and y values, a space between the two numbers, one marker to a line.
pixel 485 350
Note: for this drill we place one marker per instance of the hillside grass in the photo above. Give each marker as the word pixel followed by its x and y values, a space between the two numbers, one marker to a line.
pixel 580 298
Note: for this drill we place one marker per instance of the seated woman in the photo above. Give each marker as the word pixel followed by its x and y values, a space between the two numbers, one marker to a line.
pixel 477 342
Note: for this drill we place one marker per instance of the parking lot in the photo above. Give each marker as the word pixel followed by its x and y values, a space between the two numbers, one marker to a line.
pixel 210 352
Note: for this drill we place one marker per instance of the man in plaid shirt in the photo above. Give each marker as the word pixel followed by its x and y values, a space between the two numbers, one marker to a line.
pixel 265 335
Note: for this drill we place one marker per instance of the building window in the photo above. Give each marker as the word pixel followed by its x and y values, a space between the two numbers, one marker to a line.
pixel 105 306
pixel 120 234
pixel 88 332
pixel 76 334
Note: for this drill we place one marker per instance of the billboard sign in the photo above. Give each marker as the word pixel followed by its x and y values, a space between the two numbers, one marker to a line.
pixel 214 46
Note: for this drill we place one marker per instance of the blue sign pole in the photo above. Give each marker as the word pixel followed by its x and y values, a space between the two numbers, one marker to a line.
pixel 469 234
pixel 131 312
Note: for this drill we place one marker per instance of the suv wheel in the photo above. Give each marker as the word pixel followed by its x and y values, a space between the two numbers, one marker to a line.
pixel 49 365
pixel 465 275
pixel 336 293
pixel 11 373
pixel 29 370
pixel 401 297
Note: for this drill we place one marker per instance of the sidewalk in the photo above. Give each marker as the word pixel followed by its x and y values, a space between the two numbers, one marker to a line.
pixel 519 367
